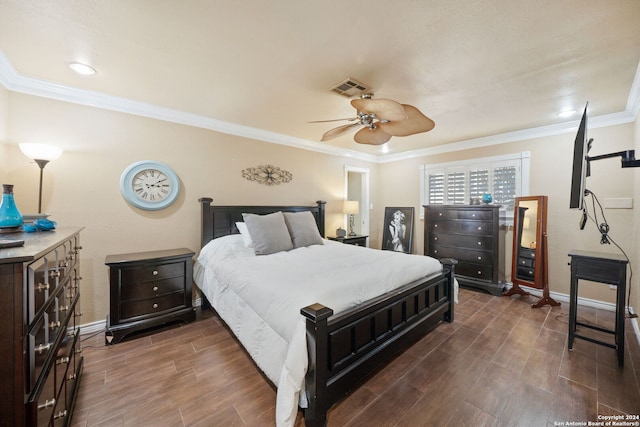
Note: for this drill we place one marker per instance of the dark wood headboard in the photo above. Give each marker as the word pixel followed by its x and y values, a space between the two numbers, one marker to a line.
pixel 218 221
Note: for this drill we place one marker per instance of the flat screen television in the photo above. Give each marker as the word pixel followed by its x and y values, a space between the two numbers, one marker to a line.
pixel 579 170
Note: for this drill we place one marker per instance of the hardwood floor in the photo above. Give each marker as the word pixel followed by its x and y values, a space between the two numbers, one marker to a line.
pixel 500 363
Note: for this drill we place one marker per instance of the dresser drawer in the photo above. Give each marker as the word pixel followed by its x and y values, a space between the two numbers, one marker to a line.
pixel 152 272
pixel 130 309
pixel 476 228
pixel 461 240
pixel 150 289
pixel 526 262
pixel 449 214
pixel 42 403
pixel 526 273
pixel 461 254
pixel 475 271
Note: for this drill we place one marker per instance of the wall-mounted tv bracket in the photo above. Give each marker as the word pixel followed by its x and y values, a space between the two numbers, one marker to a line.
pixel 628 158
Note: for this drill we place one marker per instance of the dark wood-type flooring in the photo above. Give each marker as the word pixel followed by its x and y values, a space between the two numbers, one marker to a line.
pixel 500 363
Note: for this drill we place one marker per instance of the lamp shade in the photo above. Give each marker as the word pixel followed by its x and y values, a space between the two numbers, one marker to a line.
pixel 40 151
pixel 350 207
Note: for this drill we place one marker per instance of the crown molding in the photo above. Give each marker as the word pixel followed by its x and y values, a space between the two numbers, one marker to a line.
pixel 15 82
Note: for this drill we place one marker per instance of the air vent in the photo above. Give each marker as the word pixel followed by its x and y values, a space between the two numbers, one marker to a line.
pixel 350 88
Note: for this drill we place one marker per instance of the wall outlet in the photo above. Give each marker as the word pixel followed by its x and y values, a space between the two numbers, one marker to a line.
pixel 618 203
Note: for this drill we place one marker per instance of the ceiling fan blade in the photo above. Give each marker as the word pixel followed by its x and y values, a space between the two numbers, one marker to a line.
pixel 416 122
pixel 384 109
pixel 350 119
pixel 340 130
pixel 370 136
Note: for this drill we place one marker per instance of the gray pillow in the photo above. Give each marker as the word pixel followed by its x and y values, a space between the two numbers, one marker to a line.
pixel 268 232
pixel 303 229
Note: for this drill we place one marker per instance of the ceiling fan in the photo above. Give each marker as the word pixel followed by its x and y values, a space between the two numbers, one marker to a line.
pixel 381 119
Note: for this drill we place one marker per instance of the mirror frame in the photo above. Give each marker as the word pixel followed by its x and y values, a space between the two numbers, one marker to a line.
pixel 540 273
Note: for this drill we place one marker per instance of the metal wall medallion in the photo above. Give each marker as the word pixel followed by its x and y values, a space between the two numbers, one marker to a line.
pixel 267 174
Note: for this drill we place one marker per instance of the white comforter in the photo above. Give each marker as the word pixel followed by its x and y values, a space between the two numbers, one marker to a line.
pixel 260 297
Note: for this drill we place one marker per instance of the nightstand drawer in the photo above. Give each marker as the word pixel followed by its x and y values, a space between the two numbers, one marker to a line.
pixel 129 309
pixel 150 289
pixel 152 272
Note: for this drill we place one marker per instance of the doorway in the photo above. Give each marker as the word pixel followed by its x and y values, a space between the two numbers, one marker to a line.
pixel 357 188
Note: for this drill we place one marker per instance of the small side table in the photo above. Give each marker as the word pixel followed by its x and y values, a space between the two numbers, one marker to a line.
pixel 351 240
pixel 604 268
pixel 148 289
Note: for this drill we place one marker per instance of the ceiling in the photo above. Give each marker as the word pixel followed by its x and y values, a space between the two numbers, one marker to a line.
pixel 478 68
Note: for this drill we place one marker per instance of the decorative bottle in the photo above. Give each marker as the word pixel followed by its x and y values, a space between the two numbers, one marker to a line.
pixel 10 216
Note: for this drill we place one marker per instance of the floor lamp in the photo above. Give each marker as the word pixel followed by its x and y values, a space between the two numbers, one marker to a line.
pixel 41 154
pixel 351 208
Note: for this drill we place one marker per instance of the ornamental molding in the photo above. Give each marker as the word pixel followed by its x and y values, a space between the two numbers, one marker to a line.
pixel 267 175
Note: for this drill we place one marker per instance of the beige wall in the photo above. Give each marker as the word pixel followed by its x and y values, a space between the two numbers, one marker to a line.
pixel 634 300
pixel 551 160
pixel 82 187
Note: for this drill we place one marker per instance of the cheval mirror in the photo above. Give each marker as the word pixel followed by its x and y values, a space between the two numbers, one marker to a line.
pixel 530 252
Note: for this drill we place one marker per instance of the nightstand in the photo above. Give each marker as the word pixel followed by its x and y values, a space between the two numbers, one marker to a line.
pixel 351 240
pixel 148 289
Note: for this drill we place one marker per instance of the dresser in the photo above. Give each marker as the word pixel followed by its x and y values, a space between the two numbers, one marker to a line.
pixel 147 290
pixel 470 234
pixel 39 328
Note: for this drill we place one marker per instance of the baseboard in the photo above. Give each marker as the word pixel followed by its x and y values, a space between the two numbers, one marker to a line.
pixel 101 325
pixel 585 302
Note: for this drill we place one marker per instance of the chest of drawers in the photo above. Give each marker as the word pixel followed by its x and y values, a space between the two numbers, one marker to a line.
pixel 470 234
pixel 148 289
pixel 39 333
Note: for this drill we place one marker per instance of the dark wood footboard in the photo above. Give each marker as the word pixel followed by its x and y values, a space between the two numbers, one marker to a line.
pixel 346 349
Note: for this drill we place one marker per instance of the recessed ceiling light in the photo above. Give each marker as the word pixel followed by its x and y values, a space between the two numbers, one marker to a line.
pixel 566 113
pixel 83 69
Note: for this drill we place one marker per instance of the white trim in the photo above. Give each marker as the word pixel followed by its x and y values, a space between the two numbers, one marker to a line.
pixel 15 82
pixel 93 327
pixel 364 209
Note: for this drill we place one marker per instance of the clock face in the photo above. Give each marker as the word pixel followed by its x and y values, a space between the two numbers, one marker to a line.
pixel 149 185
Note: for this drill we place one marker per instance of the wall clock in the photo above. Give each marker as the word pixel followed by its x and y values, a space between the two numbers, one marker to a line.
pixel 149 185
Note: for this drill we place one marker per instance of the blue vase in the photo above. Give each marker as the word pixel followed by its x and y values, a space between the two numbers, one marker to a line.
pixel 10 216
pixel 486 198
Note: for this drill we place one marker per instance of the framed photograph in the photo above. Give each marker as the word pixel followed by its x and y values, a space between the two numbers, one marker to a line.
pixel 397 231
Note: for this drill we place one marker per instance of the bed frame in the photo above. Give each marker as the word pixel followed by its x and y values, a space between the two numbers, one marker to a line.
pixel 345 349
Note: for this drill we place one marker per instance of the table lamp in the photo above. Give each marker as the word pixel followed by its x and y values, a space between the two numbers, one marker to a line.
pixel 351 208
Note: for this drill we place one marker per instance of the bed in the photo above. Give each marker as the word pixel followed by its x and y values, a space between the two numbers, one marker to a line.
pixel 332 325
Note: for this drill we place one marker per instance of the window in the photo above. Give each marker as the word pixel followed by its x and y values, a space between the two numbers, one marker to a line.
pixel 504 177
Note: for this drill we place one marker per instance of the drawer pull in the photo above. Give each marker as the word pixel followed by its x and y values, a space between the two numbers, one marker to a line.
pixel 71 377
pixel 479 273
pixel 155 305
pixel 71 333
pixel 63 264
pixel 155 289
pixel 62 360
pixel 54 273
pixel 42 348
pixel 439 213
pixel 46 404
pixel 155 272
pixel 435 252
pixel 479 243
pixel 78 350
pixel 473 215
pixel 63 308
pixel 435 226
pixel 479 258
pixel 480 228
pixel 79 313
pixel 54 325
pixel 61 414
pixel 435 238
pixel 42 287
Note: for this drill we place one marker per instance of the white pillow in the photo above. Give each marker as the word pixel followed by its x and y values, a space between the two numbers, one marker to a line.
pixel 303 229
pixel 268 232
pixel 246 237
